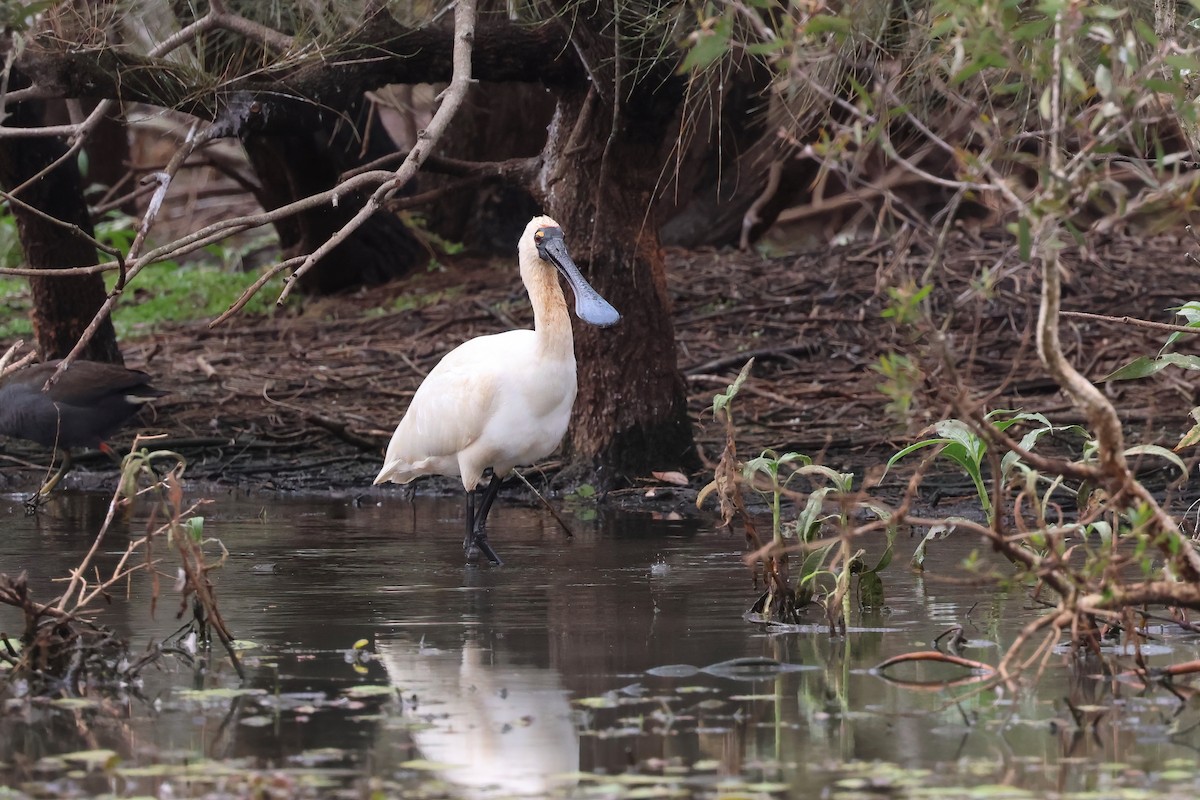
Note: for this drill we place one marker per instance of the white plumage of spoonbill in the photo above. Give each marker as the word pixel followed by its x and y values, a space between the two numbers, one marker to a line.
pixel 501 401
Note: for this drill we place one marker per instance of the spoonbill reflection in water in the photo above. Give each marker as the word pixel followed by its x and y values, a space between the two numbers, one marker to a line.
pixel 494 728
pixel 501 401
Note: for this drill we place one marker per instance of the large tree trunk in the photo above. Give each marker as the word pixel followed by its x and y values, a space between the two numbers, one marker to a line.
pixel 631 412
pixel 292 167
pixel 62 307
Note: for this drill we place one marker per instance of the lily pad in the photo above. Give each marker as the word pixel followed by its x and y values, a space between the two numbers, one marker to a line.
pixel 211 695
pixel 749 668
pixel 674 671
pixel 371 690
pixel 93 759
pixel 74 703
pixel 425 765
pixel 256 721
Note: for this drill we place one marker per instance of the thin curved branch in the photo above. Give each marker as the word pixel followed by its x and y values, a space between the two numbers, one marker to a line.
pixel 1134 321
pixel 452 98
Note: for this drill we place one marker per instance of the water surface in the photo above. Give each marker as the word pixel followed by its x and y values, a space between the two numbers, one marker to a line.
pixel 590 666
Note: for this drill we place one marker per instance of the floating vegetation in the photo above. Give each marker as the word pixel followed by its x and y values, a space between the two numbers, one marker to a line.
pixel 489 695
pixel 63 651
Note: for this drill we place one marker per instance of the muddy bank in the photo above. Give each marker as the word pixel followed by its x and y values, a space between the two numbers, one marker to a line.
pixel 305 400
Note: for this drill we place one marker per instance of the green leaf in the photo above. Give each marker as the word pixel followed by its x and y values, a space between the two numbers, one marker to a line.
pixel 1073 77
pixel 788 458
pixel 767 464
pixel 1024 239
pixel 942 26
pixel 1101 11
pixel 93 759
pixel 820 24
pixel 1161 86
pixel 722 401
pixel 707 46
pixel 1190 311
pixel 1145 32
pixel 870 590
pixel 1182 62
pixel 1181 360
pixel 909 450
pixel 813 563
pixel 886 558
pixel 917 561
pixel 1192 436
pixel 1031 31
pixel 195 527
pixel 1157 450
pixel 958 432
pixel 1140 367
pixel 809 521
pixel 864 96
pixel 767 48
pixel 978 64
pixel 1045 108
pixel 1103 78
pixel 842 481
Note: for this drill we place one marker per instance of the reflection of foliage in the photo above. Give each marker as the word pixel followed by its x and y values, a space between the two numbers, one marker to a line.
pixel 63 648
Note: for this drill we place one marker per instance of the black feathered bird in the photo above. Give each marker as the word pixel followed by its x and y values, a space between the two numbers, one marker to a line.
pixel 86 405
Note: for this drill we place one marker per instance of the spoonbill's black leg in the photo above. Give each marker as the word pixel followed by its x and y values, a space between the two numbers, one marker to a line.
pixel 476 539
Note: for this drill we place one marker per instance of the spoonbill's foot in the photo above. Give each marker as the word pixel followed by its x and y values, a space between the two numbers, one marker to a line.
pixel 479 544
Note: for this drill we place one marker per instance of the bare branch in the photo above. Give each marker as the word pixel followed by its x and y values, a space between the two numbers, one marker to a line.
pixel 452 97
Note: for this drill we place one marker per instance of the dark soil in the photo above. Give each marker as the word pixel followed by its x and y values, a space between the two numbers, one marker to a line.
pixel 307 399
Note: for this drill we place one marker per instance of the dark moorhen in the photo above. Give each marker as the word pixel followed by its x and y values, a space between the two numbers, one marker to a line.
pixel 88 403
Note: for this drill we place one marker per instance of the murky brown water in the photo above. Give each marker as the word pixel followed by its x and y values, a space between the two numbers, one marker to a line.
pixel 589 667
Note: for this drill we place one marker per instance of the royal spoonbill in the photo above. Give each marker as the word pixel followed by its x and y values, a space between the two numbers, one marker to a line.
pixel 86 405
pixel 501 401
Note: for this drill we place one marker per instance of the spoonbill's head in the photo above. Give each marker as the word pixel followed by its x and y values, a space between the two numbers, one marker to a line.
pixel 543 244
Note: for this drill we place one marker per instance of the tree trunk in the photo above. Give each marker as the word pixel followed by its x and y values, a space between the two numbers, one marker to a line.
pixel 631 411
pixel 292 167
pixel 498 121
pixel 107 148
pixel 62 307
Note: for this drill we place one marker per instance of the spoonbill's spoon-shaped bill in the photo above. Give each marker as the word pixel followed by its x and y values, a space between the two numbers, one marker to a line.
pixel 589 305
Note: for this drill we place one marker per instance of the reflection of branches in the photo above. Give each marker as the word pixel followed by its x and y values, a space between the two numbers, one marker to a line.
pixel 62 646
pixel 985 671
